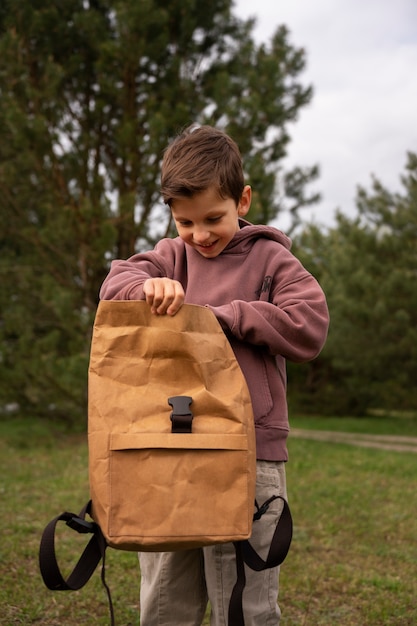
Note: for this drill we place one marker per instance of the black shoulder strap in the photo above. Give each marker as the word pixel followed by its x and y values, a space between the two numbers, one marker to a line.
pixel 245 553
pixel 280 543
pixel 94 552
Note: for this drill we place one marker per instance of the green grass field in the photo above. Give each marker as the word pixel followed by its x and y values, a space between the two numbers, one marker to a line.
pixel 353 561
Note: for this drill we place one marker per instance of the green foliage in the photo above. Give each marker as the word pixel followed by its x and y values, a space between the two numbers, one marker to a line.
pixel 91 92
pixel 367 267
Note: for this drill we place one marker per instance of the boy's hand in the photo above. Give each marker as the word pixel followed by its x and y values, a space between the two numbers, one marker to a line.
pixel 164 295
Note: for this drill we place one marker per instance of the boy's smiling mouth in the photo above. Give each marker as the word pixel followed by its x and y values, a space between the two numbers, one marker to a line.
pixel 206 245
pixel 206 248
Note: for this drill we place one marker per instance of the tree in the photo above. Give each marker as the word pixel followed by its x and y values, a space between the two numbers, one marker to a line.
pixel 367 266
pixel 91 92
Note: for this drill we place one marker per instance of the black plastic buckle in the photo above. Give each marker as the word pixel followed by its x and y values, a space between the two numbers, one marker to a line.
pixel 181 416
pixel 263 508
pixel 81 525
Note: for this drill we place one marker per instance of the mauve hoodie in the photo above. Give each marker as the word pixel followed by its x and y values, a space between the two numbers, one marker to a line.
pixel 270 308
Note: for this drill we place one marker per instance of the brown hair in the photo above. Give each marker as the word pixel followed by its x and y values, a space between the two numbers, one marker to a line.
pixel 199 158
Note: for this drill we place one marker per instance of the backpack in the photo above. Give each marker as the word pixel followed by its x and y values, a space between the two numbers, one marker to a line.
pixel 171 440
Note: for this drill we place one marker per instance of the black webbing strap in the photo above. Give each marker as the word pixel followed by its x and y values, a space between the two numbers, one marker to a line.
pixel 235 617
pixel 94 552
pixel 245 553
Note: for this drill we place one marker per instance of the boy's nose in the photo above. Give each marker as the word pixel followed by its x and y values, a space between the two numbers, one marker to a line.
pixel 200 235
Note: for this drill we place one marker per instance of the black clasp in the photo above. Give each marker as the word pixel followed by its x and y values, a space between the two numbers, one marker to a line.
pixel 260 510
pixel 81 525
pixel 181 416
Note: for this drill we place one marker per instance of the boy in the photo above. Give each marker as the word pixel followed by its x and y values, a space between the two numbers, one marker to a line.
pixel 270 308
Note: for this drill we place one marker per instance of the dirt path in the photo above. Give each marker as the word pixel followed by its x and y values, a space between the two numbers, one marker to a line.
pixel 382 442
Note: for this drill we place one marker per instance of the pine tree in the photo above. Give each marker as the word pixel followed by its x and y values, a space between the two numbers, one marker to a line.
pixel 367 266
pixel 91 93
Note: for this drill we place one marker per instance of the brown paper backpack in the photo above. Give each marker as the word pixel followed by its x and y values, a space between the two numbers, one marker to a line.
pixel 171 430
pixel 172 460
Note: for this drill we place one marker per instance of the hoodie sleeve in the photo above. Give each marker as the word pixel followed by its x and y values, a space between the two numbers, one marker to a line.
pixel 125 279
pixel 292 323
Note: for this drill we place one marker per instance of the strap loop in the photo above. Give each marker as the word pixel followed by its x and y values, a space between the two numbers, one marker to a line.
pixel 94 552
pixel 246 554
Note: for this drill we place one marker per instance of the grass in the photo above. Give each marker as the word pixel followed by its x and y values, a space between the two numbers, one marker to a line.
pixel 375 425
pixel 44 473
pixel 354 555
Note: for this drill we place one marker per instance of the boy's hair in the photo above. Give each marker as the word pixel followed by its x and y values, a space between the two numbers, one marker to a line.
pixel 199 158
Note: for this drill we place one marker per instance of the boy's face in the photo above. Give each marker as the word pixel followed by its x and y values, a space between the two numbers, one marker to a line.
pixel 207 222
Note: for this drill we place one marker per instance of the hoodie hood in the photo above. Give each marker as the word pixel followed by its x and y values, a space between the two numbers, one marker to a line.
pixel 244 237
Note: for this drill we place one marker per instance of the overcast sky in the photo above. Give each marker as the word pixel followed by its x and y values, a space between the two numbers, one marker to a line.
pixel 362 63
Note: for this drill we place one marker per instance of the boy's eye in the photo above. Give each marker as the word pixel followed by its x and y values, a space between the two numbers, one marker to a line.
pixel 210 220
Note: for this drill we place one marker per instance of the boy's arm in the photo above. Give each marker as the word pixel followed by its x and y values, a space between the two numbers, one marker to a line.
pixel 124 282
pixel 294 324
pixel 126 279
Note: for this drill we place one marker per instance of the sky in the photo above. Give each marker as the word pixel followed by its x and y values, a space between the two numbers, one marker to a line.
pixel 362 63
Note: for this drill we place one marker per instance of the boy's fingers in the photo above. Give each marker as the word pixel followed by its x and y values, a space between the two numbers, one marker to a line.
pixel 164 295
pixel 149 291
pixel 176 304
pixel 172 300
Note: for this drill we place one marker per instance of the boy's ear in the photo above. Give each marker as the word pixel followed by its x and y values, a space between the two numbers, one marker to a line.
pixel 245 200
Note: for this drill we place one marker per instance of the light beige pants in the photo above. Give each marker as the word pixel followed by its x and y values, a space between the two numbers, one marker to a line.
pixel 176 586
